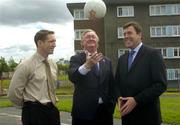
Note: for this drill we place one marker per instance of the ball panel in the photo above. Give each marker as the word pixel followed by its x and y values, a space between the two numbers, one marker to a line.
pixel 94 9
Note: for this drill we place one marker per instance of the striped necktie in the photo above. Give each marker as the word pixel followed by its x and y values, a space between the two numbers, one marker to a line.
pixel 130 59
pixel 50 82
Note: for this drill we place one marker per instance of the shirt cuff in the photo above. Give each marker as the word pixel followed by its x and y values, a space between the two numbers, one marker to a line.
pixel 83 70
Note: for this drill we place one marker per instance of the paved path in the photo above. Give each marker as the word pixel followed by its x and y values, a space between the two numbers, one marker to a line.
pixel 12 116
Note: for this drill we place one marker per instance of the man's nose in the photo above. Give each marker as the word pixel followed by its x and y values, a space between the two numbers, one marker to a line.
pixel 54 45
pixel 125 35
pixel 91 38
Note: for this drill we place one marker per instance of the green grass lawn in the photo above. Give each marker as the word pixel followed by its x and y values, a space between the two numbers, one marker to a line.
pixel 65 91
pixel 170 103
pixel 170 107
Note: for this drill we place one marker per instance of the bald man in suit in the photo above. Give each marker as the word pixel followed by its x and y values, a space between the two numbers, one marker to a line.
pixel 91 74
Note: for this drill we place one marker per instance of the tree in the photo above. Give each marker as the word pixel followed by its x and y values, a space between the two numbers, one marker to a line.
pixel 63 67
pixel 12 64
pixel 3 68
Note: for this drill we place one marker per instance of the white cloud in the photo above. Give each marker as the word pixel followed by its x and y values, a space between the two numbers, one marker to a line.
pixel 17 31
pixel 14 38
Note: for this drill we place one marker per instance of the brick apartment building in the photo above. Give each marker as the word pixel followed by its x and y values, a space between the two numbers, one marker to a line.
pixel 160 20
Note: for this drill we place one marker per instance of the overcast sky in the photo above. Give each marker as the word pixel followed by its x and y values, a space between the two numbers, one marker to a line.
pixel 21 19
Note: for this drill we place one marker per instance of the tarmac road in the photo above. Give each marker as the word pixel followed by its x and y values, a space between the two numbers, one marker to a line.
pixel 12 116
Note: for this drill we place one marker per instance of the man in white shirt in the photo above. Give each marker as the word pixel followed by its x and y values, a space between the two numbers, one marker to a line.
pixel 32 85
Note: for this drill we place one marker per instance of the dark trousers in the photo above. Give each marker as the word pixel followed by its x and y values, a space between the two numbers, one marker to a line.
pixel 103 117
pixel 35 113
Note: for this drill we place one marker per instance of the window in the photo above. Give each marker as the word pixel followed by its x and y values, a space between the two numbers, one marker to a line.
pixel 79 14
pixel 78 51
pixel 164 52
pixel 175 52
pixel 173 74
pixel 122 51
pixel 120 32
pixel 170 52
pixel 165 31
pixel 170 74
pixel 125 11
pixel 177 74
pixel 78 33
pixel 164 9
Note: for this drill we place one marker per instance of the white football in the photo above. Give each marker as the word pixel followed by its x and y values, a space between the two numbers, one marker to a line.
pixel 94 9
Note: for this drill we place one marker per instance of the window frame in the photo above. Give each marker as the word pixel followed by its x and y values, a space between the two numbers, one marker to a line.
pixel 128 8
pixel 79 14
pixel 169 9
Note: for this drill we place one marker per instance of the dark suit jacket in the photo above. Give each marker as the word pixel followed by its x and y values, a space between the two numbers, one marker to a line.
pixel 89 87
pixel 145 81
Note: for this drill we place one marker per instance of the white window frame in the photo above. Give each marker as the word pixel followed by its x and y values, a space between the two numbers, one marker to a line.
pixel 164 9
pixel 129 11
pixel 173 74
pixel 80 31
pixel 122 51
pixel 120 33
pixel 165 55
pixel 78 51
pixel 78 16
pixel 165 31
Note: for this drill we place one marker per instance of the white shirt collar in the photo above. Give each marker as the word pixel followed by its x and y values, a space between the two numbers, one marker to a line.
pixel 137 48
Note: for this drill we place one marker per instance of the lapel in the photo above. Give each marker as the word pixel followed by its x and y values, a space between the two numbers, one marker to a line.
pixel 102 73
pixel 82 57
pixel 137 58
pixel 126 63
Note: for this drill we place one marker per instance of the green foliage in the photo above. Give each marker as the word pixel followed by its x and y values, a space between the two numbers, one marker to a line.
pixel 5 84
pixel 3 66
pixel 63 67
pixel 12 64
pixel 63 77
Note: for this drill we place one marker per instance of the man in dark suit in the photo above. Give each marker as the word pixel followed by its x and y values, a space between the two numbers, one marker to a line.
pixel 141 79
pixel 93 81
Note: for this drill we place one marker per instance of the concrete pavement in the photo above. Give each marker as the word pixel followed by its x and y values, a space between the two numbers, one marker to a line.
pixel 12 116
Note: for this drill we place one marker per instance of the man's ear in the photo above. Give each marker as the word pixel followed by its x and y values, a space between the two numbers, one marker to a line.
pixel 39 42
pixel 82 44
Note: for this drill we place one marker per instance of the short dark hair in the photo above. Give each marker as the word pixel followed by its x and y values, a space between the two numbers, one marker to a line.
pixel 42 35
pixel 134 24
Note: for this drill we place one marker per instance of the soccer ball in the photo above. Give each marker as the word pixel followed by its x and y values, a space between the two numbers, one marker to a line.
pixel 94 9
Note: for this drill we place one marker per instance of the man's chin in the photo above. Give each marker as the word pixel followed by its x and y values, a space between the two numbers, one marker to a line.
pixel 51 52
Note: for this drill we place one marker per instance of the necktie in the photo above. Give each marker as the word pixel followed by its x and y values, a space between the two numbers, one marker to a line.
pixel 96 69
pixel 50 82
pixel 130 59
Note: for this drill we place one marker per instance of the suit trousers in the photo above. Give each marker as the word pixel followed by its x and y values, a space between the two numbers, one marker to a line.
pixel 102 117
pixel 35 113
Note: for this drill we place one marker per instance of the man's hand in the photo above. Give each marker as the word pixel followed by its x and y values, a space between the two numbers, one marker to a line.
pixel 91 60
pixel 126 105
pixel 120 102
